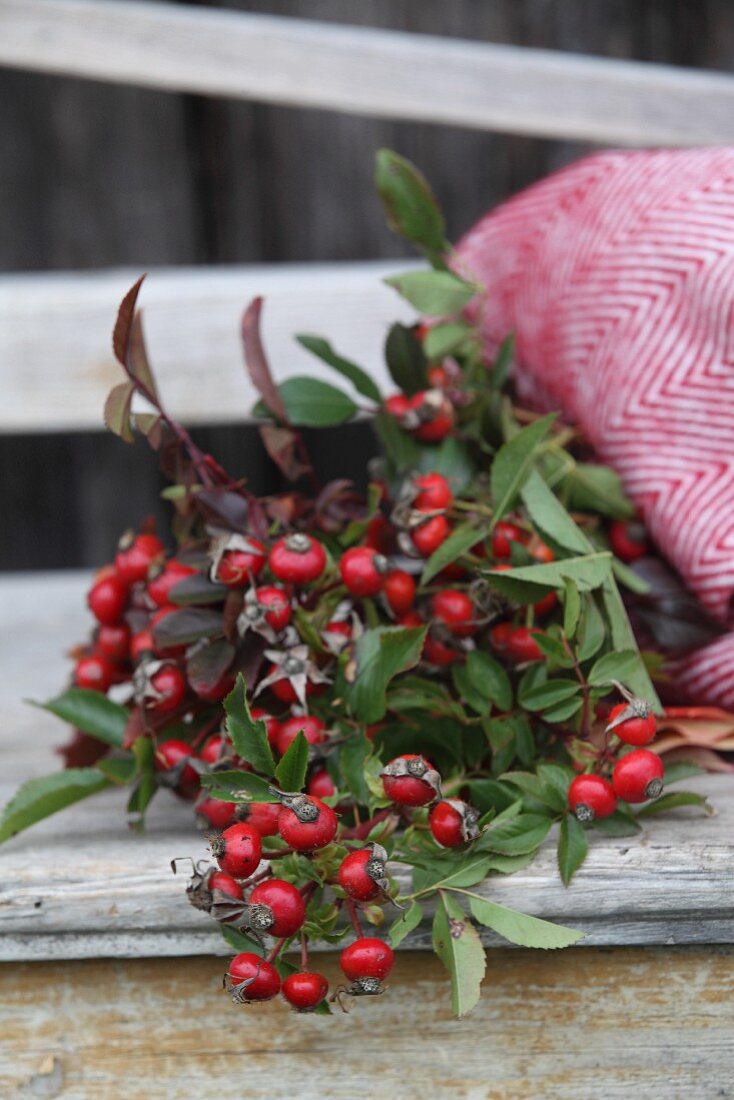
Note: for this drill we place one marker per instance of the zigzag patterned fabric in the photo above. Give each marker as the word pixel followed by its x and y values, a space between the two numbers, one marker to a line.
pixel 617 276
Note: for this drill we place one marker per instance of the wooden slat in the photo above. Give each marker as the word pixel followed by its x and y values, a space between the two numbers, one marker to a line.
pixel 79 886
pixel 56 362
pixel 574 1025
pixel 369 72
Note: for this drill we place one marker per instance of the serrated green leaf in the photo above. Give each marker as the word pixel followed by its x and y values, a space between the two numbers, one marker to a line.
pixel 379 655
pixel 573 844
pixel 352 757
pixel 42 797
pixel 91 712
pixel 550 693
pixel 435 293
pixel 459 542
pixel 249 736
pixel 623 638
pixel 290 773
pixel 120 770
pixel 514 837
pixel 237 786
pixel 513 463
pixel 117 410
pixel 490 794
pixel 406 923
pixel 550 517
pixel 443 340
pixel 458 946
pixel 527 583
pixel 239 941
pixel 469 872
pixel 359 378
pixel 591 631
pixel 519 928
pixel 571 607
pixel 593 488
pixel 311 403
pixel 563 711
pixel 614 666
pixel 491 678
pixel 616 824
pixel 410 205
pixel 673 801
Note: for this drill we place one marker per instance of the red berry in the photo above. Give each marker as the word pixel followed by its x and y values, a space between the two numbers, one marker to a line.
pixel 113 642
pixel 438 653
pixel 313 730
pixel 238 567
pixel 95 673
pixel 135 556
pixel 283 689
pixel 107 599
pixel 639 728
pixel 456 611
pixel 441 419
pixel 220 689
pixel 238 849
pixel 522 646
pixel 297 559
pixel 542 553
pixel 438 377
pixel 546 605
pixel 428 537
pixel 403 782
pixel 218 880
pixel 305 990
pixel 367 958
pixel 434 492
pixel 169 685
pixel 362 570
pixel 499 635
pixel 321 785
pixel 399 588
pixel 397 405
pixel 262 978
pixel 379 534
pixel 638 776
pixel 628 540
pixel 214 748
pixel 159 588
pixel 287 910
pixel 453 823
pixel 358 873
pixel 217 815
pixel 272 724
pixel 263 816
pixel 316 830
pixel 171 760
pixel 140 644
pixel 503 537
pixel 276 600
pixel 591 796
pixel 412 619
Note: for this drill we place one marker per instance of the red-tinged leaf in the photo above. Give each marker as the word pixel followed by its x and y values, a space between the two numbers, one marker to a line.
pixel 152 427
pixel 123 324
pixel 282 446
pixel 707 759
pixel 135 728
pixel 206 667
pixel 186 626
pixel 81 750
pixel 138 363
pixel 257 363
pixel 117 410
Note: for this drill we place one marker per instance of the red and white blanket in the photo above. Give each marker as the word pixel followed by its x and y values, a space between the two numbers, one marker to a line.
pixel 617 276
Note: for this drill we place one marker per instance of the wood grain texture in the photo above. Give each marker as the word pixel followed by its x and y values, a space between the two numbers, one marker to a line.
pixel 79 886
pixel 371 72
pixel 569 1026
pixel 56 362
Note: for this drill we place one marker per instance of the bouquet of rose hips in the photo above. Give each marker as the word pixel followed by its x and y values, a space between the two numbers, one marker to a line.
pixel 375 702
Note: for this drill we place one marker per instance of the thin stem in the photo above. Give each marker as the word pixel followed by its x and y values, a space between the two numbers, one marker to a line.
pixel 354 917
pixel 304 951
pixel 276 950
pixel 585 716
pixel 279 853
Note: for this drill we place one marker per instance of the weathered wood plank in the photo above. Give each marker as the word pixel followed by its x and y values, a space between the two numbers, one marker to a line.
pixel 56 362
pixel 96 890
pixel 550 1026
pixel 365 71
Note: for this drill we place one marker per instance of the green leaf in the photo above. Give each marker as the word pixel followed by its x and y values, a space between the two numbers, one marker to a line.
pixel 513 462
pixel 410 205
pixel 550 693
pixel 514 837
pixel 614 666
pixel 249 736
pixel 617 824
pixel 120 770
pixel 481 681
pixel 592 488
pixel 39 798
pixel 587 572
pixel 436 293
pixel 502 365
pixel 550 517
pixel 405 359
pixel 402 451
pixel 238 941
pixel 459 542
pixel 117 410
pixel 519 928
pixel 623 638
pixel 290 774
pixel 443 340
pixel 452 459
pixel 490 794
pixel 563 711
pixel 573 844
pixel 352 757
pixel 672 801
pixel 591 630
pixel 457 944
pixel 237 786
pixel 676 772
pixel 472 870
pixel 311 403
pixel 571 607
pixel 379 655
pixel 359 378
pixel 91 712
pixel 406 923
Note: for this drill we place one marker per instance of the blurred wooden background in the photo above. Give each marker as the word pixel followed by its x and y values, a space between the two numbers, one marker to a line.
pixel 96 175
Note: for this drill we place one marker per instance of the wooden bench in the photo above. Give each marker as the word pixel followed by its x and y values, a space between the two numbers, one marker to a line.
pixel 109 987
